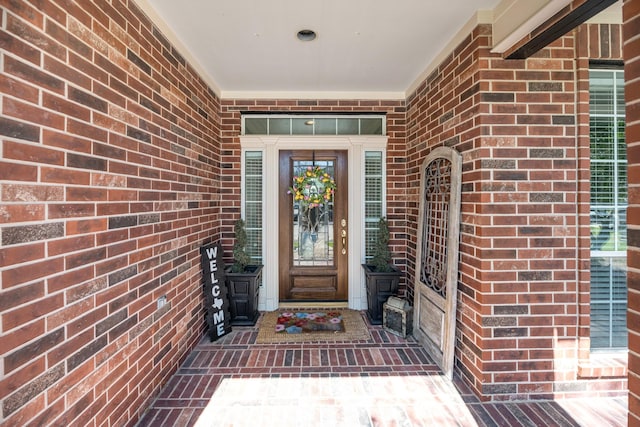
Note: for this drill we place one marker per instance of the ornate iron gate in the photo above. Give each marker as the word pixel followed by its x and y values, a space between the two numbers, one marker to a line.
pixel 437 267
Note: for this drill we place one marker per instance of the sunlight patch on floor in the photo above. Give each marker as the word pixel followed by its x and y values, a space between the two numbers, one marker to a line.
pixel 596 412
pixel 336 401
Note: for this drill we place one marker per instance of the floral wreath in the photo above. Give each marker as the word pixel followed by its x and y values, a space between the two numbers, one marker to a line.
pixel 304 184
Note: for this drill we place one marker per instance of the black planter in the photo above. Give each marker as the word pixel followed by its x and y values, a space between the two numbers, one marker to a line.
pixel 243 295
pixel 380 286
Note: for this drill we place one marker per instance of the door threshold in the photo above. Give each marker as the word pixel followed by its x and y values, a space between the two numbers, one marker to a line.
pixel 314 304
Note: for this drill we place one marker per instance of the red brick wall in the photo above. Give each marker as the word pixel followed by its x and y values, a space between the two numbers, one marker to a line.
pixel 108 185
pixel 523 291
pixel 115 156
pixel 231 158
pixel 601 43
pixel 631 14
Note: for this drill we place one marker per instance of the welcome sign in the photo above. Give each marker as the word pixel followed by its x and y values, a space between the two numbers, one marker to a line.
pixel 215 290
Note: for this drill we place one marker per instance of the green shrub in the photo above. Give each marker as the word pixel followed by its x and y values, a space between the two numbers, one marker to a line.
pixel 240 256
pixel 381 254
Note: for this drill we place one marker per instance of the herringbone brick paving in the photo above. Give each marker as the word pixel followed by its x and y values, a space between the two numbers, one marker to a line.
pixel 385 381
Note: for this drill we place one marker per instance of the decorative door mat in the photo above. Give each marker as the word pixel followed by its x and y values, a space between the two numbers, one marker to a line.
pixel 312 325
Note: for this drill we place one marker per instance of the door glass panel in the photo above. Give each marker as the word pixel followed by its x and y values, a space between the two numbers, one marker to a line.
pixel 313 226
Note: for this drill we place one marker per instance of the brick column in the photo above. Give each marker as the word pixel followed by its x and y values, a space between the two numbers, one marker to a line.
pixel 631 52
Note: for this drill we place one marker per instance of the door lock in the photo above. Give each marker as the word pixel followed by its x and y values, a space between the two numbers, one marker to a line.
pixel 343 233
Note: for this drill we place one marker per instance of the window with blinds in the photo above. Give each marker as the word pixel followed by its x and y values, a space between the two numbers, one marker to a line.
pixel 373 199
pixel 608 209
pixel 253 204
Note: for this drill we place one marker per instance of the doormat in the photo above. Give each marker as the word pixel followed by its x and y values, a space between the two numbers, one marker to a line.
pixel 312 325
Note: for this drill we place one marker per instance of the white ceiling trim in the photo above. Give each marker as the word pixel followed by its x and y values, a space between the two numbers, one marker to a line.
pixel 519 19
pixel 393 96
pixel 480 17
pixel 178 44
pixel 511 20
pixel 611 15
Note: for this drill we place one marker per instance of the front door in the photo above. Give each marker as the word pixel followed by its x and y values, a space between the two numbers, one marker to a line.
pixel 313 235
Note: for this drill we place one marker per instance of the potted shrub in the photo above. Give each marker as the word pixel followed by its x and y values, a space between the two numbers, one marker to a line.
pixel 382 277
pixel 243 281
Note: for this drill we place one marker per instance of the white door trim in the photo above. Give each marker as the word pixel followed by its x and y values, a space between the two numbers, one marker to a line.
pixel 356 146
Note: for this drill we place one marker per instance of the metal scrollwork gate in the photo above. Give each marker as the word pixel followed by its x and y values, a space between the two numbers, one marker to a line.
pixel 437 266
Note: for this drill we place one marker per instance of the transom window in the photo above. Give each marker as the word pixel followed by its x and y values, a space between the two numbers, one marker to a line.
pixel 286 124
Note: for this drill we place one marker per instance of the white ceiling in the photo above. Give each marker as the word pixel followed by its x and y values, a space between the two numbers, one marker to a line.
pixel 365 48
pixel 370 48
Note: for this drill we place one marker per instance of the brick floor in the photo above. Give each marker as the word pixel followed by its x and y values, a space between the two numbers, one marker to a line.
pixel 387 381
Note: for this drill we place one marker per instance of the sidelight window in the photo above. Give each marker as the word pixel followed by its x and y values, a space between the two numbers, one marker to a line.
pixel 373 198
pixel 253 204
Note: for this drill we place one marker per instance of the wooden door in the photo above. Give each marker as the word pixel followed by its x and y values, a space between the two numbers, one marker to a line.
pixel 436 276
pixel 313 241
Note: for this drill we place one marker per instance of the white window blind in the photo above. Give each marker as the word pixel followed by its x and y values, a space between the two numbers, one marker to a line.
pixel 608 209
pixel 253 204
pixel 373 198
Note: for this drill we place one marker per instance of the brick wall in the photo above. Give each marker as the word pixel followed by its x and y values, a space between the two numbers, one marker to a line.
pixel 230 115
pixel 445 110
pixel 108 184
pixel 523 302
pixel 115 156
pixel 631 14
pixel 601 43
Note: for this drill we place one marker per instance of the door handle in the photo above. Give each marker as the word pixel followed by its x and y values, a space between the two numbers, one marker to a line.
pixel 344 242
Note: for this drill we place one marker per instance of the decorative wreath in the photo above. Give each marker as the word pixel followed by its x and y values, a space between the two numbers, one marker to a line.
pixel 313 187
